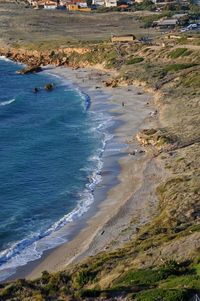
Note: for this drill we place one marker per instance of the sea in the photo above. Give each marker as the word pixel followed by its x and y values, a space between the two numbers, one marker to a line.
pixel 51 160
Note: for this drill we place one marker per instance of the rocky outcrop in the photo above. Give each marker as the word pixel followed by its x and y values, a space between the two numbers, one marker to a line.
pixel 156 138
pixel 49 87
pixel 34 58
pixel 34 69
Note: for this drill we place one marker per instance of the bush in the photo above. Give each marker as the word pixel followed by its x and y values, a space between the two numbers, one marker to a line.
pixel 139 277
pixel 45 277
pixel 174 54
pixel 192 80
pixel 148 20
pixel 177 67
pixel 162 295
pixel 83 277
pixel 134 60
pixel 7 291
pixel 150 276
pixel 171 267
pixel 54 283
pixel 191 282
pixel 145 5
pixel 85 293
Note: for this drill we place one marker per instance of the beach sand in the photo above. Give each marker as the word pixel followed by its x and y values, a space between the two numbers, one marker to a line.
pixel 133 198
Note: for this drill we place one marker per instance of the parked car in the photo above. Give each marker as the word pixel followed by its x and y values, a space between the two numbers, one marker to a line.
pixel 192 26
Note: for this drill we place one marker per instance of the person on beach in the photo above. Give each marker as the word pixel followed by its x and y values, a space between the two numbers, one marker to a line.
pixel 123 104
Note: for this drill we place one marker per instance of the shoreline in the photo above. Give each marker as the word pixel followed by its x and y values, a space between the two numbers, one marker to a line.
pixel 113 214
pixel 105 226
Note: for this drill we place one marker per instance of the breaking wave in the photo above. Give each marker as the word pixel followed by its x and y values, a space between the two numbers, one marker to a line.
pixel 7 102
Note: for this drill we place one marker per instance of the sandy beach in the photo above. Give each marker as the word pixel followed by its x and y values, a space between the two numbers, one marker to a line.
pixel 130 203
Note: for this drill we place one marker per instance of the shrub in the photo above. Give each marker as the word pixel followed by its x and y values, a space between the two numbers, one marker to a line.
pixel 159 294
pixel 139 277
pixel 192 80
pixel 145 5
pixel 174 54
pixel 54 283
pixel 191 282
pixel 7 291
pixel 149 132
pixel 83 277
pixel 177 67
pixel 134 60
pixel 150 276
pixel 148 20
pixel 105 295
pixel 37 296
pixel 171 267
pixel 83 293
pixel 45 276
pixel 50 289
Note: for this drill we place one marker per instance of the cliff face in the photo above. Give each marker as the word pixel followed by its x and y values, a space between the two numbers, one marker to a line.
pixel 43 58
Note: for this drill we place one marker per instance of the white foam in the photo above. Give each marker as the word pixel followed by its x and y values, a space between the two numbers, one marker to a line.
pixel 4 58
pixel 7 102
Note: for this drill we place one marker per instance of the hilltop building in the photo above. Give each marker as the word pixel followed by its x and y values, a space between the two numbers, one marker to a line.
pixel 106 3
pixel 167 23
pixel 77 5
pixel 110 3
pixel 165 2
pixel 47 4
pixel 98 2
pixel 123 38
pixel 50 5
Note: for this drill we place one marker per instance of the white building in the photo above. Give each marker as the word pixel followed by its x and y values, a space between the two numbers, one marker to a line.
pixel 98 2
pixel 110 3
pixel 82 5
pixel 106 3
pixel 50 5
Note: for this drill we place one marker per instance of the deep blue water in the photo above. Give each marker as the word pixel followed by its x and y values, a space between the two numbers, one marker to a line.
pixel 50 148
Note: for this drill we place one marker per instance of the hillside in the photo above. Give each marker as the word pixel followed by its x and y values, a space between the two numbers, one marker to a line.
pixel 161 260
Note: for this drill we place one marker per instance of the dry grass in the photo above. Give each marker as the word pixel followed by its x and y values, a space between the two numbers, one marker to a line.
pixel 26 26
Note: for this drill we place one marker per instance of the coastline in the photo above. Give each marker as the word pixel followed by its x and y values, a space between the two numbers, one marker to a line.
pixel 125 201
pixel 139 236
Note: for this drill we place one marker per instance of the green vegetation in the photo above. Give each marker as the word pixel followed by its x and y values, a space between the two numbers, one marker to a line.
pixel 171 281
pixel 163 294
pixel 174 54
pixel 192 80
pixel 177 67
pixel 145 5
pixel 147 277
pixel 149 19
pixel 134 60
pixel 83 277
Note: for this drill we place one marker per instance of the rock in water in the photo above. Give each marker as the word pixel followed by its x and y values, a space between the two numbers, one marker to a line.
pixel 35 90
pixel 30 69
pixel 49 87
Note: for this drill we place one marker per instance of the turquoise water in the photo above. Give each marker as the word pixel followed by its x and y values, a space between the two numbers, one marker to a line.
pixel 51 145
